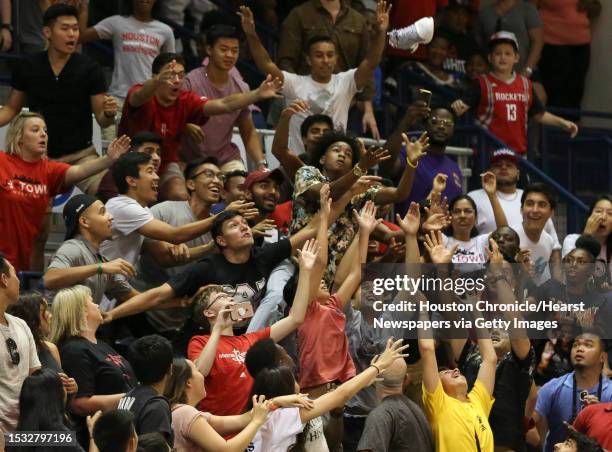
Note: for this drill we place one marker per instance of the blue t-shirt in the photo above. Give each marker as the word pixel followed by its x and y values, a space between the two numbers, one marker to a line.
pixel 555 404
pixel 429 166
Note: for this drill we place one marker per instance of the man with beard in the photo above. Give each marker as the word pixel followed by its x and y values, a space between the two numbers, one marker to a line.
pixel 262 187
pixel 561 399
pixel 505 165
pixel 78 259
pixel 440 126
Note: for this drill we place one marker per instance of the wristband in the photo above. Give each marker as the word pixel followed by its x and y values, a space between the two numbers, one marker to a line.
pixel 410 164
pixel 100 268
pixel 357 171
pixel 375 367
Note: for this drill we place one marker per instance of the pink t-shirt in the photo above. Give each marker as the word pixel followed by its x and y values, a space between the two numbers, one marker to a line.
pixel 323 346
pixel 183 417
pixel 558 17
pixel 219 128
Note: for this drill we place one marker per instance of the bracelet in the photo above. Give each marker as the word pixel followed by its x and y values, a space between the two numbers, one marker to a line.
pixel 410 164
pixel 375 367
pixel 358 172
pixel 100 268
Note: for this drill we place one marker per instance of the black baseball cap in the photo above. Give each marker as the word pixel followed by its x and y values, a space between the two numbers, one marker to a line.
pixel 73 210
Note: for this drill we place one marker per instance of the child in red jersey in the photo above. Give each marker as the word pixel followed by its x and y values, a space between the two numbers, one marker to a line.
pixel 505 100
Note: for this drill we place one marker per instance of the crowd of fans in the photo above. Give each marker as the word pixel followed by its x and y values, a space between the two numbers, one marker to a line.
pixel 195 305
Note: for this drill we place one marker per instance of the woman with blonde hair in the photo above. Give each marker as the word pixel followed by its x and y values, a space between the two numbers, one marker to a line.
pixel 103 376
pixel 28 180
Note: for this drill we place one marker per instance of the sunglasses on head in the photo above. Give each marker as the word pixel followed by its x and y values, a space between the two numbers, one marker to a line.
pixel 11 345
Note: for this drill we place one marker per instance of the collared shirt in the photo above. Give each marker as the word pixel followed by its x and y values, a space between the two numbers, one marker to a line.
pixel 78 252
pixel 555 404
pixel 349 33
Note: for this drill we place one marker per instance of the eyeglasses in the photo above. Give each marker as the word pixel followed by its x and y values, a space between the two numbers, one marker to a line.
pixel 210 174
pixel 467 211
pixel 11 345
pixel 217 298
pixel 441 122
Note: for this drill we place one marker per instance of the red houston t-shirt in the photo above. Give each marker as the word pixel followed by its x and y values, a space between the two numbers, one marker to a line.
pixel 25 191
pixel 168 122
pixel 504 109
pixel 228 385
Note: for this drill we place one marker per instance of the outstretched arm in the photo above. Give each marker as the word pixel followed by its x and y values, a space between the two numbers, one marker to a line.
pixel 116 149
pixel 365 71
pixel 258 51
pixel 489 184
pixel 238 101
pixel 548 119
pixel 280 146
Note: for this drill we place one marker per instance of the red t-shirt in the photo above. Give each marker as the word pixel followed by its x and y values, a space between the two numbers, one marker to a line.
pixel 504 109
pixel 282 216
pixel 25 191
pixel 228 385
pixel 169 122
pixel 323 346
pixel 406 12
pixel 595 421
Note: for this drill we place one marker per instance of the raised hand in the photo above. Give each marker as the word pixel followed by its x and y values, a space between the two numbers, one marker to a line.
pixel 459 107
pixel 366 219
pixel 118 147
pixel 415 149
pixel 437 204
pixel 308 254
pixel 119 267
pixel 439 183
pixel 364 183
pixel 489 182
pixel 494 254
pixel 247 20
pixel 411 223
pixel 294 400
pixel 393 351
pixel 269 88
pixel 371 156
pixel 436 222
pixel 296 107
pixel 382 15
pixel 434 245
pixel 166 74
pixel 261 408
pixel 325 201
pixel 368 122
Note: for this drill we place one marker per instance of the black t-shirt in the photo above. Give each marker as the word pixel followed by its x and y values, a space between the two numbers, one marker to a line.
pixel 513 378
pixel 247 281
pixel 64 100
pixel 97 368
pixel 462 47
pixel 151 412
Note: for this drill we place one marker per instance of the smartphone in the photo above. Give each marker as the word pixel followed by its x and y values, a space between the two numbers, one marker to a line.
pixel 241 311
pixel 424 96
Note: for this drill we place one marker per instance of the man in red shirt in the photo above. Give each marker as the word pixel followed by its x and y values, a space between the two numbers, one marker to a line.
pixel 220 355
pixel 160 106
pixel 505 100
pixel 595 421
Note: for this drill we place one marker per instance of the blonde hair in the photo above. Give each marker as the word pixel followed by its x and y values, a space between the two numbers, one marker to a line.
pixel 201 300
pixel 14 133
pixel 69 313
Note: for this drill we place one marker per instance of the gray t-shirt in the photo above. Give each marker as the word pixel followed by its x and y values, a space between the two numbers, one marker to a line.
pixel 136 45
pixel 78 252
pixel 11 375
pixel 128 218
pixel 396 425
pixel 28 17
pixel 519 20
pixel 150 274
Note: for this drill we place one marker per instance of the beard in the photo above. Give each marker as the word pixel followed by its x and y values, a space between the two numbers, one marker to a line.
pixel 439 142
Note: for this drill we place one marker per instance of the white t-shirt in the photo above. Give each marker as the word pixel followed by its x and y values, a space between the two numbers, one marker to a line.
pixel 540 253
pixel 470 252
pixel 136 45
pixel 128 217
pixel 279 433
pixel 11 375
pixel 332 99
pixel 511 204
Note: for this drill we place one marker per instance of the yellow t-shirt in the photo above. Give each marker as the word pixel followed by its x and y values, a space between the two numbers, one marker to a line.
pixel 455 423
